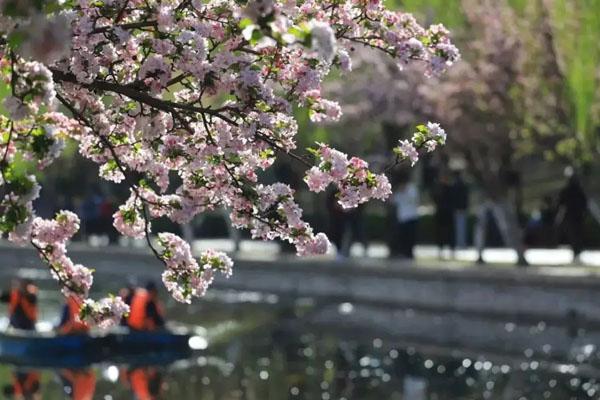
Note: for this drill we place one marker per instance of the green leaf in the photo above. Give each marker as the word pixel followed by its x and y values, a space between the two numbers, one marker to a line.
pixel 16 38
pixel 245 22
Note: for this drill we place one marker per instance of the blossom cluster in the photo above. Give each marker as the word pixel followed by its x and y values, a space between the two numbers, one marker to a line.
pixel 274 214
pixel 427 136
pixel 128 220
pixel 50 236
pixel 32 87
pixel 186 102
pixel 184 277
pixel 104 313
pixel 354 182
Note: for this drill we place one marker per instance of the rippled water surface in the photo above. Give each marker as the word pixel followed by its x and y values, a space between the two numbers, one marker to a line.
pixel 257 346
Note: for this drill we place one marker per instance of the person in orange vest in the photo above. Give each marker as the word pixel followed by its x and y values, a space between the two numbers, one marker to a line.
pixel 79 385
pixel 146 312
pixel 22 304
pixel 24 386
pixel 145 383
pixel 126 294
pixel 70 324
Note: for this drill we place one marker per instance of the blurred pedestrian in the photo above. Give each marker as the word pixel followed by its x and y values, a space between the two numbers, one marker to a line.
pixel 406 201
pixel 548 211
pixel 22 304
pixel 505 211
pixel 572 206
pixel 106 209
pixel 345 226
pixel 444 212
pixel 460 201
pixel 90 213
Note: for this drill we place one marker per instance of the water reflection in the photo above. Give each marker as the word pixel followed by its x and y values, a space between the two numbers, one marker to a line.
pixel 260 347
pixel 24 384
pixel 78 384
pixel 282 364
pixel 145 383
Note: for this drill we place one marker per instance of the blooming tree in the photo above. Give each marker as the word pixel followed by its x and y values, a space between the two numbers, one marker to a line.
pixel 185 101
pixel 480 100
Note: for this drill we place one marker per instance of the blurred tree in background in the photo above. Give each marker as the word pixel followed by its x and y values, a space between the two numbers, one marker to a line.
pixel 558 66
pixel 528 85
pixel 526 92
pixel 523 103
pixel 575 29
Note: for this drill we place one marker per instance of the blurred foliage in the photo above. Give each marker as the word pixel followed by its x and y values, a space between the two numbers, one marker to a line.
pixel 576 29
pixel 560 69
pixel 447 12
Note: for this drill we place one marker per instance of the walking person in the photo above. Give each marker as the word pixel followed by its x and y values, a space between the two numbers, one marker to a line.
pixel 572 205
pixel 504 208
pixel 548 211
pixel 444 213
pixel 345 226
pixel 460 201
pixel 406 201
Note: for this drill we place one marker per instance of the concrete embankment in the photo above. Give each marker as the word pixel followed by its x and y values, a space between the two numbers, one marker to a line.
pixel 521 295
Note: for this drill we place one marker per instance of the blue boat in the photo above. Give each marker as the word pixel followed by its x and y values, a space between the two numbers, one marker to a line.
pixel 35 349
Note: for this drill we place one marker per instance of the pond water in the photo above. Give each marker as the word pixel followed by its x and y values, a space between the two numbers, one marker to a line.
pixel 261 347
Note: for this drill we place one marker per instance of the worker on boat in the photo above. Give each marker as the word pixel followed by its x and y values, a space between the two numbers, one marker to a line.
pixel 79 384
pixel 126 294
pixel 25 385
pixel 146 383
pixel 146 312
pixel 22 304
pixel 70 324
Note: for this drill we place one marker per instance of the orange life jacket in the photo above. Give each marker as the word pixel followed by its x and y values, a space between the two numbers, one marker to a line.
pixel 27 386
pixel 83 384
pixel 73 324
pixel 18 299
pixel 140 383
pixel 138 318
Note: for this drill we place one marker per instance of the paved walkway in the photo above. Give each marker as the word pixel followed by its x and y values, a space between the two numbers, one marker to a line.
pixel 257 250
pixel 558 262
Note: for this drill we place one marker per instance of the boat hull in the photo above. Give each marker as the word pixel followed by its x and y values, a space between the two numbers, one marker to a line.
pixel 72 351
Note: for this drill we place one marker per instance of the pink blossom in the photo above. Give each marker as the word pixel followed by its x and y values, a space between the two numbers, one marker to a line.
pixel 129 222
pixel 408 151
pixel 323 40
pixel 436 132
pixel 104 313
pixel 185 278
pixel 47 40
pixel 317 180
pixel 173 97
pixel 16 108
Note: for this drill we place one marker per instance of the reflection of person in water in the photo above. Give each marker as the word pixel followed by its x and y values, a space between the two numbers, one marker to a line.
pixel 25 385
pixel 145 383
pixel 79 384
